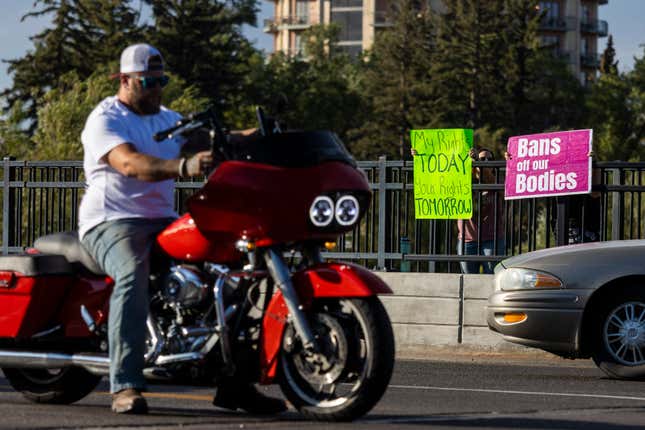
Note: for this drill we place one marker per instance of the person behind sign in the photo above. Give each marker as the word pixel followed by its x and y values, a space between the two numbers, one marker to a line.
pixel 483 234
pixel 489 238
pixel 585 211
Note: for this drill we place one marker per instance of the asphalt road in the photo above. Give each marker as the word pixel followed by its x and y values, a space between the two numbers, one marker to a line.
pixel 469 394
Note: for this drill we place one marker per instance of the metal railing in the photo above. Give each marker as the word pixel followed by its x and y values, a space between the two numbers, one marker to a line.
pixel 40 198
pixel 382 19
pixel 270 26
pixel 557 23
pixel 292 22
pixel 562 55
pixel 590 60
pixel 598 27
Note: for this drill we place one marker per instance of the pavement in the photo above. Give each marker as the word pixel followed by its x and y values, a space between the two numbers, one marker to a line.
pixel 468 354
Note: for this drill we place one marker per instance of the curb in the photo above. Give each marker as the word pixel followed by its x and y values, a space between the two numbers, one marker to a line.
pixel 506 355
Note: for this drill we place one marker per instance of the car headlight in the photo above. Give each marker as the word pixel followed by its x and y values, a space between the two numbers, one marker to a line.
pixel 321 211
pixel 347 210
pixel 524 279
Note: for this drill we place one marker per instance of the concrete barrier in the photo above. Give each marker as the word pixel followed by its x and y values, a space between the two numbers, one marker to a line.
pixel 442 310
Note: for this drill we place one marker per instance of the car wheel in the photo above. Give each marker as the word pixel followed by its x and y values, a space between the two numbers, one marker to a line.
pixel 620 336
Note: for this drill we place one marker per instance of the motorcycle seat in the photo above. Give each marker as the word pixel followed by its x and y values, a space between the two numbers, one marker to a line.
pixel 68 245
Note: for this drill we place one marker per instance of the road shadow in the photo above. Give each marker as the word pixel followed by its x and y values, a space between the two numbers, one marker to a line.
pixel 514 422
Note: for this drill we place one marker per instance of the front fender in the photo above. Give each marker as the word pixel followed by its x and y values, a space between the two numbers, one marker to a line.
pixel 320 281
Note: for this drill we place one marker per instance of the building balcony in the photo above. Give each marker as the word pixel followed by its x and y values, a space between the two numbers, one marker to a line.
pixel 292 22
pixel 562 55
pixel 381 19
pixel 557 24
pixel 598 27
pixel 270 26
pixel 558 53
pixel 589 59
pixel 295 52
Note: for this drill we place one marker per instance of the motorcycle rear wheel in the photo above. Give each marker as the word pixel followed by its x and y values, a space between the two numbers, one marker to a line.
pixel 55 386
pixel 356 340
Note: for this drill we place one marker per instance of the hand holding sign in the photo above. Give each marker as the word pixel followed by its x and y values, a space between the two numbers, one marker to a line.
pixel 548 164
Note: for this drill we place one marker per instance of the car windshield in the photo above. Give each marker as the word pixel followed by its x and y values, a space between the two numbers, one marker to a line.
pixel 296 149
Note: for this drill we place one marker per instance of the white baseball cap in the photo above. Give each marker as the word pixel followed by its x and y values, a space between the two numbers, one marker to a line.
pixel 135 58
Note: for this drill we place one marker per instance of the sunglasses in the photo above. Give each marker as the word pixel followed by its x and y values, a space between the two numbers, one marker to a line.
pixel 148 82
pixel 485 158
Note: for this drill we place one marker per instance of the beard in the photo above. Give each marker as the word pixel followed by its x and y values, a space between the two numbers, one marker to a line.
pixel 148 102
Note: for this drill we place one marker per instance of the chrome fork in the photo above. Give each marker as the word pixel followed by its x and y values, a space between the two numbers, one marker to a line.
pixel 280 273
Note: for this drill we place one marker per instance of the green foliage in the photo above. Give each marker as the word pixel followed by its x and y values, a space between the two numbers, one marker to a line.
pixel 65 109
pixel 554 97
pixel 479 65
pixel 616 105
pixel 493 140
pixel 183 98
pixel 85 34
pixel 315 92
pixel 202 42
pixel 63 113
pixel 469 37
pixel 396 84
pixel 14 142
pixel 519 74
pixel 608 62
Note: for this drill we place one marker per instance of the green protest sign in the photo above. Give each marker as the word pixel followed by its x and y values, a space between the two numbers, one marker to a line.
pixel 442 173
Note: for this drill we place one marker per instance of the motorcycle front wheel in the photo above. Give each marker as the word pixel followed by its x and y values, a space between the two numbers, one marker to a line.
pixel 350 371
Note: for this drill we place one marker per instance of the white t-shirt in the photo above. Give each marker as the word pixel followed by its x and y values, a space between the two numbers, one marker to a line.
pixel 111 195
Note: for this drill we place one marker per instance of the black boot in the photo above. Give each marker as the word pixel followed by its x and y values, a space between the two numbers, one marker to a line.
pixel 245 396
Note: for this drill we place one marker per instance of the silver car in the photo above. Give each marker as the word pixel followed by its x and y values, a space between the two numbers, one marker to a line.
pixel 576 301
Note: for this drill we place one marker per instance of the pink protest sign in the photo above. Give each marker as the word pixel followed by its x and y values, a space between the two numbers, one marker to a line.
pixel 548 164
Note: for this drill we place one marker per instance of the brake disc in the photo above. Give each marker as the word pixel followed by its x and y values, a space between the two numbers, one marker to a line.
pixel 327 364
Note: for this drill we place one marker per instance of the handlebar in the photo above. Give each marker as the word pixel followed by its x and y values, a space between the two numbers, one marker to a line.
pixel 181 127
pixel 205 119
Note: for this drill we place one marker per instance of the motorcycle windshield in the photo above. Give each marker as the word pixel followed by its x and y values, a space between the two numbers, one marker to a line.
pixel 296 149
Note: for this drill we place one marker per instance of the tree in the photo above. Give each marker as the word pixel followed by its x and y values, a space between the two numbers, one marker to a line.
pixel 14 142
pixel 316 91
pixel 555 99
pixel 202 42
pixel 615 111
pixel 490 70
pixel 468 52
pixel 519 60
pixel 85 34
pixel 396 83
pixel 65 109
pixel 608 62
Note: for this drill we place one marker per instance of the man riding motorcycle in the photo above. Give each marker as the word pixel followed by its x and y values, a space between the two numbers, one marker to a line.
pixel 128 201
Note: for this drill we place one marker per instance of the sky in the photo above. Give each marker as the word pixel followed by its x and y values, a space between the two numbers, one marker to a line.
pixel 626 20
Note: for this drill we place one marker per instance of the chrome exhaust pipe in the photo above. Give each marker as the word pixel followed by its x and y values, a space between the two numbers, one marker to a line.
pixel 99 365
pixel 96 364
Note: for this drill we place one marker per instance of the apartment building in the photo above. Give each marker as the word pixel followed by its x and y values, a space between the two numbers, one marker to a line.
pixel 570 28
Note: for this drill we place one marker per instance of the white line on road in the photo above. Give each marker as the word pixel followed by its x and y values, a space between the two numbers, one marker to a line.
pixel 527 393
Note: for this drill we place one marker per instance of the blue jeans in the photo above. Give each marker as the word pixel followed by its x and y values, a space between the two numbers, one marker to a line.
pixel 486 248
pixel 122 249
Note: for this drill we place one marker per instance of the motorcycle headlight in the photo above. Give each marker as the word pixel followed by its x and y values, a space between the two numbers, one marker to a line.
pixel 524 279
pixel 347 210
pixel 321 211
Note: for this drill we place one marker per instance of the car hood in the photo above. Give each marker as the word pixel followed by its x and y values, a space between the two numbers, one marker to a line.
pixel 586 265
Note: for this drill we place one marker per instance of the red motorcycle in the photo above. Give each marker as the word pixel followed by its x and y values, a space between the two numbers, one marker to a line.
pixel 238 287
